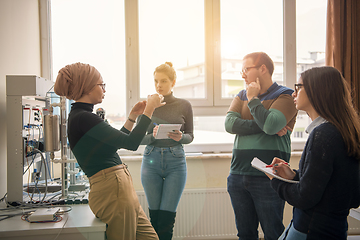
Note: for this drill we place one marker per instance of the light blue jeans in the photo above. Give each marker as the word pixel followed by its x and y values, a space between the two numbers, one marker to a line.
pixel 291 233
pixel 163 176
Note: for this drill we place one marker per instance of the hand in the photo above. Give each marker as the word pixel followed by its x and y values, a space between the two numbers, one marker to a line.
pixel 155 129
pixel 283 131
pixel 253 89
pixel 137 110
pixel 176 135
pixel 282 169
pixel 155 100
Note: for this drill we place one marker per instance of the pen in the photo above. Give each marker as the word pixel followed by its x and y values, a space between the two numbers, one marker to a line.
pixel 276 163
pixel 155 124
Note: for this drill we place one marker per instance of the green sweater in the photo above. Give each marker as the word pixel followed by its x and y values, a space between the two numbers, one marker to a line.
pixel 95 143
pixel 256 123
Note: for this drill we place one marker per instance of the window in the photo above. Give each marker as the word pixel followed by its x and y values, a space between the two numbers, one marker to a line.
pixel 93 32
pixel 249 26
pixel 172 31
pixel 237 38
pixel 311 38
pixel 205 41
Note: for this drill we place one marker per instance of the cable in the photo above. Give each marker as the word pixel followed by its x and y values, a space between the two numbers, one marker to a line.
pixel 29 165
pixel 28 183
pixel 50 89
pixel 43 159
pixel 48 167
pixel 22 206
pixel 6 216
pixel 67 218
pixel 27 209
pixel 59 193
pixel 3 198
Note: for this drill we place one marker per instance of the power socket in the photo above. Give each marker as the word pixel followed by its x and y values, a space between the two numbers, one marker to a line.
pixel 43 214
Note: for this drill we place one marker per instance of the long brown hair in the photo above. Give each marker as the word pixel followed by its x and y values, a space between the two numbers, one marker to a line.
pixel 330 95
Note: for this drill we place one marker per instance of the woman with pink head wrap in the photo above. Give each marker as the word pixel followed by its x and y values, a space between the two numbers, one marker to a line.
pixel 112 197
pixel 75 80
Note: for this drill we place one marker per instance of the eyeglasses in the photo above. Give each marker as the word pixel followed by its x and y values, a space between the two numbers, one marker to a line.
pixel 297 87
pixel 102 85
pixel 246 70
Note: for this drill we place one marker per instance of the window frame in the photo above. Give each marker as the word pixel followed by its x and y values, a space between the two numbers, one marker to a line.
pixel 45 39
pixel 213 104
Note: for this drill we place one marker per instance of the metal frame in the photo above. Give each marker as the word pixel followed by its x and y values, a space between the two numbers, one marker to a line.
pixel 16 88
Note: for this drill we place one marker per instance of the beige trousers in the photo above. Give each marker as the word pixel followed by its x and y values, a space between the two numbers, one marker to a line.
pixel 113 199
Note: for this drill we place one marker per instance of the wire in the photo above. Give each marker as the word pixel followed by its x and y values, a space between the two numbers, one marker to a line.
pixel 29 165
pixel 67 218
pixel 48 167
pixel 26 211
pixel 6 216
pixel 50 89
pixel 46 184
pixel 23 206
pixel 3 198
pixel 28 183
pixel 65 211
pixel 57 194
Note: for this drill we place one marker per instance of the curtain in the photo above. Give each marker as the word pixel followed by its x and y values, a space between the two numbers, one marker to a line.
pixel 343 42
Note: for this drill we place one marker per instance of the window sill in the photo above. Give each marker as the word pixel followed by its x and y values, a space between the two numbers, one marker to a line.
pixel 195 156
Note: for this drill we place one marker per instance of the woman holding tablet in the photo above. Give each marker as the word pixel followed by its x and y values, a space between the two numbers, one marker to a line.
pixel 163 169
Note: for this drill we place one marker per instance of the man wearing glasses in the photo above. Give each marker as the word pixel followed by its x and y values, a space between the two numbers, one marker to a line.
pixel 262 116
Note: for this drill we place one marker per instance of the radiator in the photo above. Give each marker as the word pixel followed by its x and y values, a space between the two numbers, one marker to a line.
pixel 202 214
pixel 208 214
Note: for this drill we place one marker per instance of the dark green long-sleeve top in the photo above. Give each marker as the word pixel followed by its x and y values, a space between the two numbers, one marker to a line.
pixel 95 143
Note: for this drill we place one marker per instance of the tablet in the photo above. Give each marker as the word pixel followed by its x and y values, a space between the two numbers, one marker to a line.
pixel 164 129
pixel 260 165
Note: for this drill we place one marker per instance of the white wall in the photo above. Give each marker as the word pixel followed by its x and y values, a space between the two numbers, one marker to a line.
pixel 19 54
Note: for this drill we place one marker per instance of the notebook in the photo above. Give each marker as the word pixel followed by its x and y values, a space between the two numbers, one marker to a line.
pixel 260 165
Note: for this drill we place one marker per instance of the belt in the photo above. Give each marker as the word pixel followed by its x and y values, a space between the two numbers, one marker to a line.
pixel 107 170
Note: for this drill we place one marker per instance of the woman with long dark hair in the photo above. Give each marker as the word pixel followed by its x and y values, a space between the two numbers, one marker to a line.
pixel 328 175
